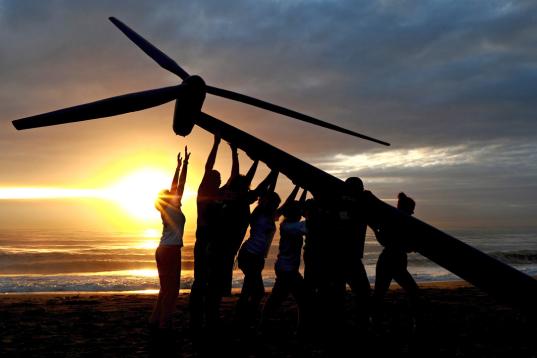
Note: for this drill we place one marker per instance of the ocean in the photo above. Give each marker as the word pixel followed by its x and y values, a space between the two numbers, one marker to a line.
pixel 86 261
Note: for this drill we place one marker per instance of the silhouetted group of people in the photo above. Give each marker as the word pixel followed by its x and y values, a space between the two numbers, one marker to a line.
pixel 328 231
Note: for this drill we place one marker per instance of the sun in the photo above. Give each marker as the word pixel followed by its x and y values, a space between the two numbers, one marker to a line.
pixel 125 202
pixel 137 191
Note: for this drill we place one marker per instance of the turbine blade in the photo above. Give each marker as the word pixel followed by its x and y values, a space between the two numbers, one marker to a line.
pixel 104 108
pixel 286 112
pixel 157 55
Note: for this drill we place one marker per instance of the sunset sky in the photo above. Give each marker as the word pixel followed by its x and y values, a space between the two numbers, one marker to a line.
pixel 451 84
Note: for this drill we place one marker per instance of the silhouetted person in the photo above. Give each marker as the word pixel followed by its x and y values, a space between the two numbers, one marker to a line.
pixel 168 254
pixel 233 220
pixel 288 277
pixel 332 283
pixel 254 250
pixel 323 266
pixel 351 230
pixel 236 214
pixel 313 260
pixel 210 201
pixel 392 262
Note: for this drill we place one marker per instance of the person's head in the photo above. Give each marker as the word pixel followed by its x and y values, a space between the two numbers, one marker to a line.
pixel 354 186
pixel 269 203
pixel 406 204
pixel 239 184
pixel 212 180
pixel 163 199
pixel 292 211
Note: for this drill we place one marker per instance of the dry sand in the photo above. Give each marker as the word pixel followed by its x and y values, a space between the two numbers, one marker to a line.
pixel 460 321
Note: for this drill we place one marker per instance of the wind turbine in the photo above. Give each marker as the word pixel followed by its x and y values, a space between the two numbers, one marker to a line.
pixel 189 97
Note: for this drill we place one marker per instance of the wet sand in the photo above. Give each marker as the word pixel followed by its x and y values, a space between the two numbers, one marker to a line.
pixel 459 321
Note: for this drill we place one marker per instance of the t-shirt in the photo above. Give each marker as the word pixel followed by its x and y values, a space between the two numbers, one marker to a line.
pixel 262 229
pixel 173 222
pixel 291 240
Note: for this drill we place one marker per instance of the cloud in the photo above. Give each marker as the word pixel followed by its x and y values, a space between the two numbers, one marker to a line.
pixel 431 158
pixel 423 157
pixel 480 184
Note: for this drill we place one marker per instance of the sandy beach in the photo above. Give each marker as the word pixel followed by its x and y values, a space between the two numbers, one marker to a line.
pixel 460 321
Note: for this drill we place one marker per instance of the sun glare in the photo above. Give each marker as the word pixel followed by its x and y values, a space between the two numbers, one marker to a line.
pixel 136 193
pixel 151 233
pixel 148 244
pixel 138 272
pixel 21 193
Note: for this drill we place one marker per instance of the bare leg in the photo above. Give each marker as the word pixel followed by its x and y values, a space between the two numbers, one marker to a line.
pixel 169 267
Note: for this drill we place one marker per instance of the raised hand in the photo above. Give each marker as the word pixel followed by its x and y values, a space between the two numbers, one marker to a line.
pixel 233 147
pixel 187 154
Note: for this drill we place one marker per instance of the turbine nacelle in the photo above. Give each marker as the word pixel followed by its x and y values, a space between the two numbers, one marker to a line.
pixel 188 105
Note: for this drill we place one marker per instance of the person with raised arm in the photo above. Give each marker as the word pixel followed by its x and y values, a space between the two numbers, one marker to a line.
pixel 254 250
pixel 318 268
pixel 288 277
pixel 209 201
pixel 168 253
pixel 351 230
pixel 234 212
pixel 237 200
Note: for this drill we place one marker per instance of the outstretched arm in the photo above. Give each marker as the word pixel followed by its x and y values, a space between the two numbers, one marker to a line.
pixel 234 163
pixel 272 183
pixel 291 196
pixel 289 200
pixel 173 189
pixel 303 196
pixel 268 184
pixel 251 172
pixel 212 155
pixel 182 177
